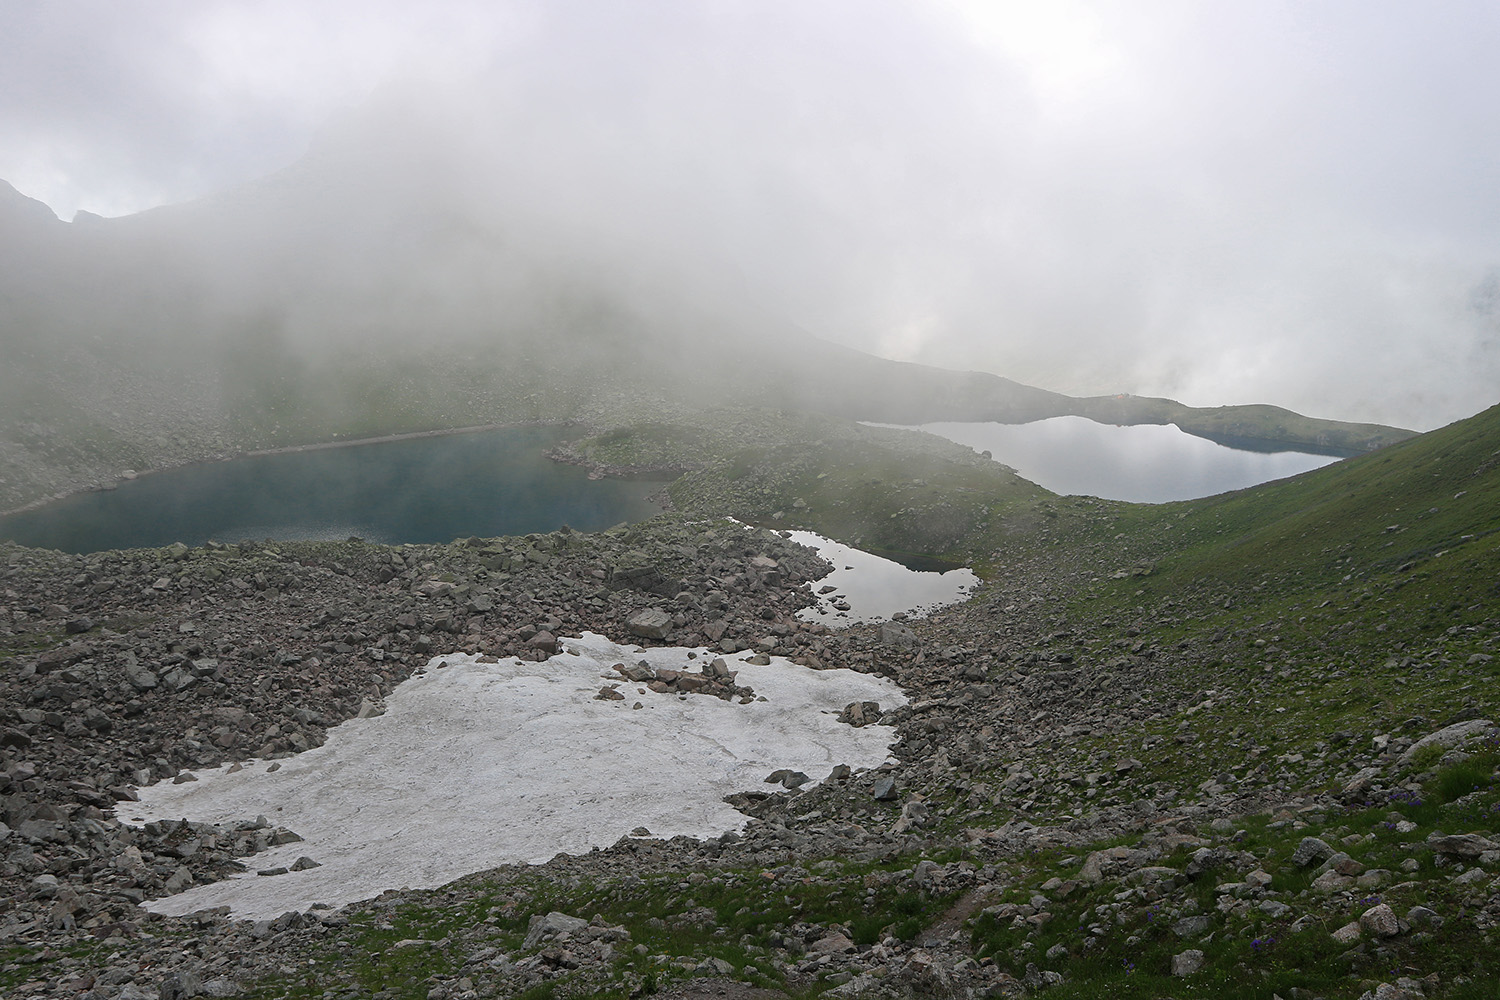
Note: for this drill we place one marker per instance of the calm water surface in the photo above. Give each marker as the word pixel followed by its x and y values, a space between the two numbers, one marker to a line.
pixel 1144 463
pixel 871 588
pixel 432 489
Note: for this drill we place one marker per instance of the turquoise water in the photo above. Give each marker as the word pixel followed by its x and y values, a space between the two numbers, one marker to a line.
pixel 432 489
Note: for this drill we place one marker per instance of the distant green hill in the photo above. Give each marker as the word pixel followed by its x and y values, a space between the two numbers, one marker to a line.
pixel 835 379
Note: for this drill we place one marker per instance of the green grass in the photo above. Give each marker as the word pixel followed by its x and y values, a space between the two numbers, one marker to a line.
pixel 738 916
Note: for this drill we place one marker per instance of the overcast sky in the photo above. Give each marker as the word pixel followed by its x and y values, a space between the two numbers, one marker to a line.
pixel 1296 203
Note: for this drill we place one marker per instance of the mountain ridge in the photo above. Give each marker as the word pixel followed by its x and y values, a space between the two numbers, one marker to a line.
pixel 201 331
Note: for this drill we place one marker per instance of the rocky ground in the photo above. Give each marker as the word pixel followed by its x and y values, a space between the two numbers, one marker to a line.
pixel 1048 823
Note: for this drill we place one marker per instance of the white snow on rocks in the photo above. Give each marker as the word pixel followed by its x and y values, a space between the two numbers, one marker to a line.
pixel 475 765
pixel 871 588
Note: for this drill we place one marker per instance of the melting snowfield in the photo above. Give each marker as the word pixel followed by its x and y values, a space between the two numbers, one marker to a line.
pixel 475 765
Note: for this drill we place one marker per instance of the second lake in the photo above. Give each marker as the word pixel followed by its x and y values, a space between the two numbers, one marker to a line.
pixel 1142 463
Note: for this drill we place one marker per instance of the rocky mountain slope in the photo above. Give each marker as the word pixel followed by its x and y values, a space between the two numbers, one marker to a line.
pixel 369 291
pixel 1234 747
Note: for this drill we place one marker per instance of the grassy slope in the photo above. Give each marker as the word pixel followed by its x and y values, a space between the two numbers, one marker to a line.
pixel 1294 622
pixel 1354 601
pixel 1369 515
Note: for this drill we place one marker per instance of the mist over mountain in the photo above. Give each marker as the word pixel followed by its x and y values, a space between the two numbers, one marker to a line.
pixel 446 257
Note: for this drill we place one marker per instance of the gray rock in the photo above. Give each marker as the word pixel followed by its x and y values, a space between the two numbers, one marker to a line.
pixel 1111 859
pixel 552 924
pixel 860 713
pixel 1040 979
pixel 1393 991
pixel 833 943
pixel 179 679
pixel 1347 934
pixel 892 634
pixel 1310 851
pixel 1204 859
pixel 884 790
pixel 1187 963
pixel 1422 916
pixel 138 676
pixel 652 623
pixel 547 643
pixel 787 778
pixel 1461 845
pixel 1332 881
pixel 180 985
pixel 639 671
pixel 1194 926
pixel 913 814
pixel 1380 921
pixel 1448 737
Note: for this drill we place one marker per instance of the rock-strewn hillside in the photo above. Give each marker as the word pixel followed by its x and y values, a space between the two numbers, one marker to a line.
pixel 1231 747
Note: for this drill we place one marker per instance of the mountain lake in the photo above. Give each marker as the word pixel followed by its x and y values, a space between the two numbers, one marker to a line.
pixel 497 482
pixel 421 490
pixel 1140 463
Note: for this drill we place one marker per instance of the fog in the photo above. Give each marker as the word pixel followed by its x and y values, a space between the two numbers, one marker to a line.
pixel 1226 203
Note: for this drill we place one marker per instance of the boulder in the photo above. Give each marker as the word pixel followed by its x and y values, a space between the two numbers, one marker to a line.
pixel 639 671
pixel 553 924
pixel 652 623
pixel 892 634
pixel 1448 737
pixel 1347 934
pixel 833 943
pixel 140 678
pixel 1310 851
pixel 1187 963
pixel 860 713
pixel 1380 921
pixel 1194 926
pixel 1109 860
pixel 1461 845
pixel 544 642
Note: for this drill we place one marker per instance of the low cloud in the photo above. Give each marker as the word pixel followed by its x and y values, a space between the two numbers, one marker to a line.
pixel 1221 204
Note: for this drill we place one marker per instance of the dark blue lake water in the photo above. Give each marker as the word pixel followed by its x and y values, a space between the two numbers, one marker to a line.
pixel 432 489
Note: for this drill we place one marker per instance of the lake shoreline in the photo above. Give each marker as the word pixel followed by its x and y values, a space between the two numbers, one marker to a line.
pixel 229 456
pixel 416 487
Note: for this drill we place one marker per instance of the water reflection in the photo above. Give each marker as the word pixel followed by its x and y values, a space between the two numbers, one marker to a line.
pixel 1144 463
pixel 868 588
pixel 430 489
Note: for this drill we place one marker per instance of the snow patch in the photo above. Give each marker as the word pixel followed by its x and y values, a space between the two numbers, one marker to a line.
pixel 475 765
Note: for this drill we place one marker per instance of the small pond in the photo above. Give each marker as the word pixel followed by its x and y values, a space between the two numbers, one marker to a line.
pixel 1143 463
pixel 864 587
pixel 428 489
